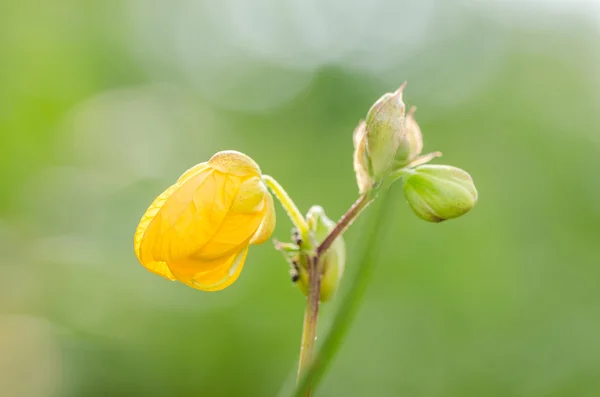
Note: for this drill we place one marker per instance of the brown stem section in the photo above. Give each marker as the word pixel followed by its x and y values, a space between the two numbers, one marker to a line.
pixel 343 224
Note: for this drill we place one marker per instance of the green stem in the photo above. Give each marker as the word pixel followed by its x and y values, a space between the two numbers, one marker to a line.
pixel 349 303
pixel 311 315
pixel 407 169
pixel 311 312
pixel 288 204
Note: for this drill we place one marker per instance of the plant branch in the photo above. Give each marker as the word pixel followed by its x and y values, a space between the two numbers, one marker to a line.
pixel 288 204
pixel 311 312
pixel 344 222
pixel 350 302
pixel 311 315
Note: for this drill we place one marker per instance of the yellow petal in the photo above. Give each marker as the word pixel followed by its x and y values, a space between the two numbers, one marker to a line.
pixel 235 230
pixel 235 163
pixel 194 170
pixel 268 224
pixel 190 217
pixel 243 219
pixel 251 196
pixel 159 267
pixel 212 275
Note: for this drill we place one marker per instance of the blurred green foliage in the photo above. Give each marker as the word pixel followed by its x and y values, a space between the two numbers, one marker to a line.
pixel 503 302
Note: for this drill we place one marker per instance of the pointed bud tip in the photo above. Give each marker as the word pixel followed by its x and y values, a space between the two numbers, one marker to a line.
pixel 385 129
pixel 411 111
pixel 398 93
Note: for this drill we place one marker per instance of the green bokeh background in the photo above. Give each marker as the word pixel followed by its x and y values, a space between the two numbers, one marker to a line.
pixel 96 121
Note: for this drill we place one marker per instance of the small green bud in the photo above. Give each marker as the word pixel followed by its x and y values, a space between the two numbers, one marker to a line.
pixel 411 145
pixel 384 127
pixel 332 263
pixel 439 192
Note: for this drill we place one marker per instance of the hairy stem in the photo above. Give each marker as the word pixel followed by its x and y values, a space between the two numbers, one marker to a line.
pixel 311 315
pixel 311 312
pixel 350 302
pixel 288 204
pixel 344 222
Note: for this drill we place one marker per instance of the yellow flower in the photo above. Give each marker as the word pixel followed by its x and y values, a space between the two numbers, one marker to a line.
pixel 198 231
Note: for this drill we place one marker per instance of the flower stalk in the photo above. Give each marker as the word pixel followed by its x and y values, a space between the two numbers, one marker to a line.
pixel 288 204
pixel 344 222
pixel 350 302
pixel 311 316
pixel 311 313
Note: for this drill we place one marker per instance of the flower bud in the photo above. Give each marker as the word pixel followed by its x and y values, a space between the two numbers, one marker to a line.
pixel 376 140
pixel 332 263
pixel 439 192
pixel 411 145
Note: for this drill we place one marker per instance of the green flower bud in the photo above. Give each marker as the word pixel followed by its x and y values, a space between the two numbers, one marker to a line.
pixel 376 140
pixel 411 145
pixel 332 263
pixel 439 192
pixel 385 129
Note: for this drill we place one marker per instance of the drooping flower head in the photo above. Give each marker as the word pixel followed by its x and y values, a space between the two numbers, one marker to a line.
pixel 198 230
